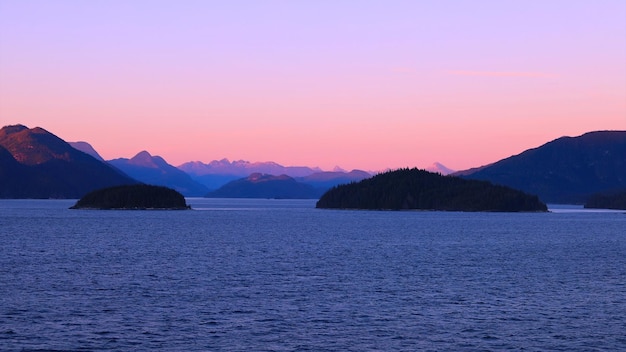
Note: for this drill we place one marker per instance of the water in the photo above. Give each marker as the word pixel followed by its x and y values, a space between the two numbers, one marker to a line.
pixel 279 275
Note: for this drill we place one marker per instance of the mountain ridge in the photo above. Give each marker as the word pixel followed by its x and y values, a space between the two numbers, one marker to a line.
pixel 244 168
pixel 35 163
pixel 155 170
pixel 258 185
pixel 86 148
pixel 564 170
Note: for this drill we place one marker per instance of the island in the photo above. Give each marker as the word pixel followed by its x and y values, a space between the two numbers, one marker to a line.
pixel 133 197
pixel 415 189
pixel 615 200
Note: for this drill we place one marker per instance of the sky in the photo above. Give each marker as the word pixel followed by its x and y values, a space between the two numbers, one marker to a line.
pixel 358 84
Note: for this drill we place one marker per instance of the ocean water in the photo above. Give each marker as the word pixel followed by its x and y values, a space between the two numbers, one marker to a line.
pixel 280 275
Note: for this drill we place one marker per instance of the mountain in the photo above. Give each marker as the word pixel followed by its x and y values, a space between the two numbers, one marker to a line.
pixel 35 163
pixel 439 168
pixel 326 179
pixel 155 170
pixel 219 172
pixel 406 189
pixel 259 185
pixel 215 181
pixel 565 170
pixel 86 148
pixel 244 168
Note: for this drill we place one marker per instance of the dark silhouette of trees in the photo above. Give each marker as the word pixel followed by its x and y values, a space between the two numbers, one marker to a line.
pixel 405 189
pixel 607 201
pixel 133 197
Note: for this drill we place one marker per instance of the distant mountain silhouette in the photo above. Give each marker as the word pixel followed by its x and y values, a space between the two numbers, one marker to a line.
pixel 259 185
pixel 35 163
pixel 437 167
pixel 155 170
pixel 419 189
pixel 244 168
pixel 86 148
pixel 565 170
pixel 327 179
pixel 219 172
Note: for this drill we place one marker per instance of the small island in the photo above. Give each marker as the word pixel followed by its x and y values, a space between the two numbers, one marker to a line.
pixel 133 197
pixel 607 201
pixel 415 189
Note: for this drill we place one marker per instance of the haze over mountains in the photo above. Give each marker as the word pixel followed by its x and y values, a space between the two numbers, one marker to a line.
pixel 218 173
pixel 244 168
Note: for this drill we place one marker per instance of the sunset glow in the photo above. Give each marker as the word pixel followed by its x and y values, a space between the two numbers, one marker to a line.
pixel 367 85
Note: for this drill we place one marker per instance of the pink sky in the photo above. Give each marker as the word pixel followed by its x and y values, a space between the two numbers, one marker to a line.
pixel 359 84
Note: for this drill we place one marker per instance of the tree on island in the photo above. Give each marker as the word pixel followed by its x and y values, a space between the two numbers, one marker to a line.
pixel 133 197
pixel 406 189
pixel 615 200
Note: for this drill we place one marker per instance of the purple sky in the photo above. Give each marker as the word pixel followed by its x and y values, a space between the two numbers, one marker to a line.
pixel 359 84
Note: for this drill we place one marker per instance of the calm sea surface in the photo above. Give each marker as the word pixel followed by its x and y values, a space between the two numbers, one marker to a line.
pixel 279 275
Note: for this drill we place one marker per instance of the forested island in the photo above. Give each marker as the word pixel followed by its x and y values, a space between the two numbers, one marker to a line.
pixel 407 189
pixel 607 201
pixel 135 197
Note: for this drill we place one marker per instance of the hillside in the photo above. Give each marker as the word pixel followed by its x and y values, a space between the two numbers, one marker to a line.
pixel 326 179
pixel 419 189
pixel 265 186
pixel 565 170
pixel 35 163
pixel 155 170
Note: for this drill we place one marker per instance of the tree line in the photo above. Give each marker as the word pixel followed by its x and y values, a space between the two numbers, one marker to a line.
pixel 406 189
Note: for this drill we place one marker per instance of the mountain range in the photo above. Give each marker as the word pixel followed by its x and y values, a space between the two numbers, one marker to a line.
pixel 259 185
pixel 34 163
pixel 218 173
pixel 154 170
pixel 244 168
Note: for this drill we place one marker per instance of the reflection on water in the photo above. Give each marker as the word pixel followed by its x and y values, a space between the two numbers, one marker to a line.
pixel 569 208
